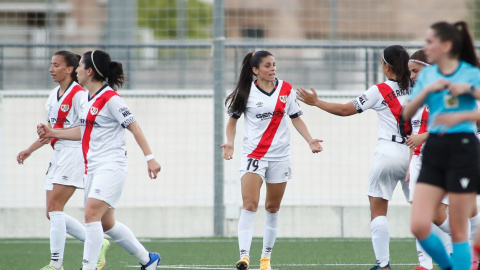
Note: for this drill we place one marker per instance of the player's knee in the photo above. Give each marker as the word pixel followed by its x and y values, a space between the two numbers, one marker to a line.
pixel 420 229
pixel 272 208
pixel 250 206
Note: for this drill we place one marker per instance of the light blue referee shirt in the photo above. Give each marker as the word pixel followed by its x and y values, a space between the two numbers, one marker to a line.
pixel 443 101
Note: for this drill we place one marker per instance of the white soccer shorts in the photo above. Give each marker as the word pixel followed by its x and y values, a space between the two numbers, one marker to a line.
pixel 389 166
pixel 66 168
pixel 273 172
pixel 105 184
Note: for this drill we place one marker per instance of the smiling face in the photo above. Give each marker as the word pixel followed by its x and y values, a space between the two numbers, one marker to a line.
pixel 434 48
pixel 59 70
pixel 266 69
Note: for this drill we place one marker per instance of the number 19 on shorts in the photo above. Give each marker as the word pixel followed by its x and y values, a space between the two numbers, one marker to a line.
pixel 252 164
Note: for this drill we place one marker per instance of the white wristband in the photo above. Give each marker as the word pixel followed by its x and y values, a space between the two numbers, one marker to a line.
pixel 149 157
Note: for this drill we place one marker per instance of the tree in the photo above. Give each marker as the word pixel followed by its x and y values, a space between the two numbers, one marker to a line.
pixel 162 17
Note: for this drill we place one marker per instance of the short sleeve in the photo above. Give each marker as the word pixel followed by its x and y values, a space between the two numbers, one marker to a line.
pixel 293 108
pixel 80 98
pixel 367 100
pixel 119 110
pixel 233 114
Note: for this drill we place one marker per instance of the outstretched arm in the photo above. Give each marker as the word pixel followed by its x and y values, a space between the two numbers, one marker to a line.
pixel 152 165
pixel 231 131
pixel 311 98
pixel 303 130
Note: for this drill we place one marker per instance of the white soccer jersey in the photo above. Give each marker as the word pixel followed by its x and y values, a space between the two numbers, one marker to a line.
pixel 374 99
pixel 266 134
pixel 103 121
pixel 64 111
pixel 419 125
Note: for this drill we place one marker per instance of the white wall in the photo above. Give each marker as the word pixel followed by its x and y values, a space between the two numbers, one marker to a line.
pixel 328 190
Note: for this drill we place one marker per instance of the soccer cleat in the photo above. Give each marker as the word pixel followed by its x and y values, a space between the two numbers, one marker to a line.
pixel 101 259
pixel 421 268
pixel 243 263
pixel 377 267
pixel 154 261
pixel 265 264
pixel 50 267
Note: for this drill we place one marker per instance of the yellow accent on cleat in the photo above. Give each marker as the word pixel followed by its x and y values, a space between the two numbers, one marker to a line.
pixel 243 263
pixel 101 259
pixel 50 267
pixel 265 264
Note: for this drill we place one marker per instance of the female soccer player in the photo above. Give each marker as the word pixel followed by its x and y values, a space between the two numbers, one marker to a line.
pixel 104 118
pixel 65 172
pixel 417 62
pixel 266 102
pixel 391 156
pixel 451 154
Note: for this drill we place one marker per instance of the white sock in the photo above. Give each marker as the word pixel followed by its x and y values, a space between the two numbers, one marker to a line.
pixel 380 240
pixel 125 238
pixel 269 233
pixel 245 232
pixel 75 228
pixel 445 237
pixel 58 232
pixel 474 223
pixel 93 244
pixel 423 258
pixel 445 226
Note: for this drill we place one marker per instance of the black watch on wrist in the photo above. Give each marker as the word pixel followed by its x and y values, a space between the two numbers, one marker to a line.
pixel 471 89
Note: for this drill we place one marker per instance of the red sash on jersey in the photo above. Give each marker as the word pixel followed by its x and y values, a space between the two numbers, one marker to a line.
pixel 64 110
pixel 96 107
pixel 269 134
pixel 423 129
pixel 395 107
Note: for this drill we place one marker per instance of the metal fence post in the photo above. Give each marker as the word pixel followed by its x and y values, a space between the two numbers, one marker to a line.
pixel 218 126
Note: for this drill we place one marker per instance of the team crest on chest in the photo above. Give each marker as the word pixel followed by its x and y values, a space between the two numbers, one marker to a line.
pixel 283 98
pixel 65 107
pixel 93 111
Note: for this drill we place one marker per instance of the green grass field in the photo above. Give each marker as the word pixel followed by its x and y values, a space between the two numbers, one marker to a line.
pixel 218 253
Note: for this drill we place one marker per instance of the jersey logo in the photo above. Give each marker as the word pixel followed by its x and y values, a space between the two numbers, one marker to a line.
pixel 283 98
pixel 93 110
pixel 65 107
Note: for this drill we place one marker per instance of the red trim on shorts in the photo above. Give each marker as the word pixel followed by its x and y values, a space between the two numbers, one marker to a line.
pixel 267 137
pixel 97 106
pixel 62 115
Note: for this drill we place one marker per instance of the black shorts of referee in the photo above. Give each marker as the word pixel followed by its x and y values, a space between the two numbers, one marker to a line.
pixel 452 161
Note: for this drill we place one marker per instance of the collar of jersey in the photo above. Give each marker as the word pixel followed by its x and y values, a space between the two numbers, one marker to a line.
pixel 460 64
pixel 265 92
pixel 98 92
pixel 58 91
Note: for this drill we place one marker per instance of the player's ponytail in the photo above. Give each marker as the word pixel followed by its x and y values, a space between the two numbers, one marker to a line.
pixel 237 100
pixel 72 60
pixel 397 57
pixel 104 69
pixel 459 36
